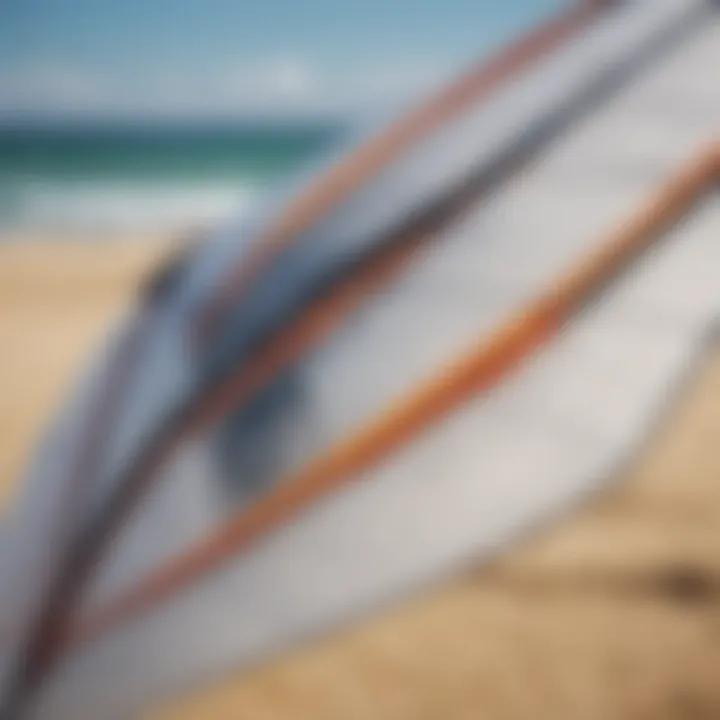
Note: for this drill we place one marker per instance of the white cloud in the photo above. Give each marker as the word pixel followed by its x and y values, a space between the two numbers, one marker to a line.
pixel 299 86
pixel 46 87
pixel 282 86
pixel 287 78
pixel 276 83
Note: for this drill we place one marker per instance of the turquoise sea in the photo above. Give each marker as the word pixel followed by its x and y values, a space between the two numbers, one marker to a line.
pixel 92 176
pixel 97 177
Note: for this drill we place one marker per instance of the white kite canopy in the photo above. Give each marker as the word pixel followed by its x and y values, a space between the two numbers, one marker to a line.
pixel 316 413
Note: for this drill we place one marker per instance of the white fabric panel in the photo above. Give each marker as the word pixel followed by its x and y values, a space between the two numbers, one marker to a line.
pixel 501 464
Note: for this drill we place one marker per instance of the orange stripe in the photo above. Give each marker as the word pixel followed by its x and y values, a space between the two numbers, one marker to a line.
pixel 315 324
pixel 482 368
pixel 337 184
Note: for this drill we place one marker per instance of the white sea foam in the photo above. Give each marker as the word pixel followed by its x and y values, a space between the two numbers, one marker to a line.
pixel 104 206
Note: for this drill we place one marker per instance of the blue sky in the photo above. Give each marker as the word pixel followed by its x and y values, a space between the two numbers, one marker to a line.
pixel 238 57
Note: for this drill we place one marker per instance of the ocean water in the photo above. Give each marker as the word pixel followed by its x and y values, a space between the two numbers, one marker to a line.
pixel 98 178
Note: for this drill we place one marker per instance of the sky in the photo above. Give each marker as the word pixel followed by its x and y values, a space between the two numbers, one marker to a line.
pixel 219 58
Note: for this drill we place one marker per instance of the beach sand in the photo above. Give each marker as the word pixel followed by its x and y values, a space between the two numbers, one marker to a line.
pixel 58 298
pixel 613 613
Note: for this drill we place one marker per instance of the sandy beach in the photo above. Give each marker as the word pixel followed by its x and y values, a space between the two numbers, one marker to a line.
pixel 58 298
pixel 613 613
